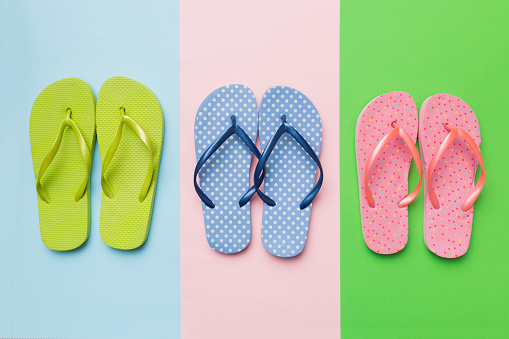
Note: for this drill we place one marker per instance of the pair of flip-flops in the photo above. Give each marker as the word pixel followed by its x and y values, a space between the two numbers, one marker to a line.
pixel 226 127
pixel 449 141
pixel 130 127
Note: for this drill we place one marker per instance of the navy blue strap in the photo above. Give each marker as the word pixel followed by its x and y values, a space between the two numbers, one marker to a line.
pixel 258 176
pixel 234 129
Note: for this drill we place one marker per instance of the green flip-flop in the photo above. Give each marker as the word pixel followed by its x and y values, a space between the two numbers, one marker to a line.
pixel 62 158
pixel 130 129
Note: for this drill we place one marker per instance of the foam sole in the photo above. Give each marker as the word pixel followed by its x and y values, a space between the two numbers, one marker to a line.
pixel 290 172
pixel 385 227
pixel 224 178
pixel 447 231
pixel 64 222
pixel 125 221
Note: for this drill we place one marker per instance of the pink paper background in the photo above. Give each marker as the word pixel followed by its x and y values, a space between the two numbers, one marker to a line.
pixel 254 294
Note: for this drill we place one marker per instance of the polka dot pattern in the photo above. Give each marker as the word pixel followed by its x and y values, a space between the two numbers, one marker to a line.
pixel 224 178
pixel 290 171
pixel 447 230
pixel 385 227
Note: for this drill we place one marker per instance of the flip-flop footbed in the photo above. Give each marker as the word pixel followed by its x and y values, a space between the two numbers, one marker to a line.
pixel 125 221
pixel 447 230
pixel 290 172
pixel 385 227
pixel 224 178
pixel 64 222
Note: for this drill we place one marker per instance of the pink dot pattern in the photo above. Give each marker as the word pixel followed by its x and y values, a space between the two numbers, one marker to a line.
pixel 447 230
pixel 385 227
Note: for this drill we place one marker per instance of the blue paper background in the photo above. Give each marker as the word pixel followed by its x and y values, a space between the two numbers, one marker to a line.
pixel 95 291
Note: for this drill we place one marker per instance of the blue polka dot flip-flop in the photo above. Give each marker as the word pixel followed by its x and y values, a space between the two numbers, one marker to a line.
pixel 225 130
pixel 291 137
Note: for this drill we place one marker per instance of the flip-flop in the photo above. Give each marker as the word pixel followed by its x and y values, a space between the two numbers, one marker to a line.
pixel 130 129
pixel 225 130
pixel 385 145
pixel 449 139
pixel 62 158
pixel 290 161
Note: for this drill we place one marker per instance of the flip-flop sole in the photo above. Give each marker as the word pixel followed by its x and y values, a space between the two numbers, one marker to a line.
pixel 224 178
pixel 447 230
pixel 64 222
pixel 125 221
pixel 385 227
pixel 290 172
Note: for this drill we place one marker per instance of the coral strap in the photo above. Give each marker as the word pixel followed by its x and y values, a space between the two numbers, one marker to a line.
pixel 454 133
pixel 396 131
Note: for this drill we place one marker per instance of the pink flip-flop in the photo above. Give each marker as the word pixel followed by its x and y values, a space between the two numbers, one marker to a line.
pixel 385 145
pixel 449 139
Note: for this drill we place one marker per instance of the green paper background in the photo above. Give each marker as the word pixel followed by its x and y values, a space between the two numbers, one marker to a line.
pixel 425 48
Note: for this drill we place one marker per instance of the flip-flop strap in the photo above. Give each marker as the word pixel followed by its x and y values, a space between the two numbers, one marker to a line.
pixel 53 152
pixel 396 131
pixel 454 133
pixel 124 119
pixel 286 128
pixel 233 129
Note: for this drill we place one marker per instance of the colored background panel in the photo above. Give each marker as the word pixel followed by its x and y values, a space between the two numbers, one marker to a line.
pixel 254 294
pixel 424 48
pixel 94 291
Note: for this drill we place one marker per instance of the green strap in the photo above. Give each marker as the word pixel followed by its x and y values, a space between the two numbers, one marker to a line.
pixel 51 155
pixel 113 148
